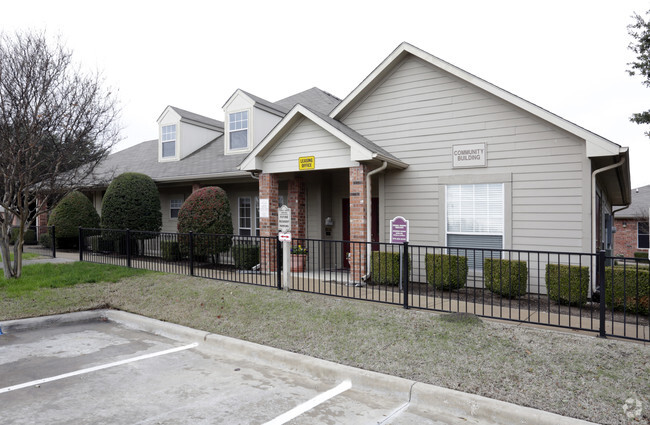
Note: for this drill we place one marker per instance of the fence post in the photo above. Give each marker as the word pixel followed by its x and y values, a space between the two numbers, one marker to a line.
pixel 278 262
pixel 53 242
pixel 405 273
pixel 191 253
pixel 81 243
pixel 600 283
pixel 128 247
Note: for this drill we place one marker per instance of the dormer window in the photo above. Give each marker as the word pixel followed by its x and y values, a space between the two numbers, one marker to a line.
pixel 168 140
pixel 238 130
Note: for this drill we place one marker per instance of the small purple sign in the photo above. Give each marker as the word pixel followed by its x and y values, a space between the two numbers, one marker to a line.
pixel 399 230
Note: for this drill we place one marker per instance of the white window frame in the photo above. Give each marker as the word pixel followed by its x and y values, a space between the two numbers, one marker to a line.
pixel 250 217
pixel 638 234
pixel 175 199
pixel 165 138
pixel 248 130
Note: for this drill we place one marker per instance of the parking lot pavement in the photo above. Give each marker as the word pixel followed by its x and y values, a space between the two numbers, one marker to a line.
pixel 113 367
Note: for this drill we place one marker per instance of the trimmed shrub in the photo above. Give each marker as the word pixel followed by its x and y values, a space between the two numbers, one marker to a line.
pixel 72 212
pixel 45 240
pixel 207 212
pixel 446 271
pixel 246 255
pixel 98 243
pixel 29 237
pixel 170 250
pixel 567 284
pixel 132 202
pixel 627 289
pixel 507 278
pixel 641 254
pixel 385 268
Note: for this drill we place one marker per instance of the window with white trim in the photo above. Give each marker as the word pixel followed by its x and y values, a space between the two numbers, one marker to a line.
pixel 245 217
pixel 475 219
pixel 174 207
pixel 168 141
pixel 238 130
pixel 643 240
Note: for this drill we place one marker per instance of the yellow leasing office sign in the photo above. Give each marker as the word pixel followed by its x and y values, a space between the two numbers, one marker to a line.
pixel 306 163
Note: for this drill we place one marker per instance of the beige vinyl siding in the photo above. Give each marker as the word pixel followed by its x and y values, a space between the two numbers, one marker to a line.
pixel 418 112
pixel 308 139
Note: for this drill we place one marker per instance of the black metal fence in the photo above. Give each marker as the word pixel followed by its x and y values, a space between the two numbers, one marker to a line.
pixel 37 240
pixel 559 289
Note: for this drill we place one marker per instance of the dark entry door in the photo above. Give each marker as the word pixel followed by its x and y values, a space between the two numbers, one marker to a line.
pixel 374 229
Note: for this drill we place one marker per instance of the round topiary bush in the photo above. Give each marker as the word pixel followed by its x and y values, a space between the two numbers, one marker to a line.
pixel 206 213
pixel 132 202
pixel 72 212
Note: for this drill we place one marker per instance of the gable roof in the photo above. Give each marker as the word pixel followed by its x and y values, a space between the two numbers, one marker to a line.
pixel 361 149
pixel 596 145
pixel 314 98
pixel 192 118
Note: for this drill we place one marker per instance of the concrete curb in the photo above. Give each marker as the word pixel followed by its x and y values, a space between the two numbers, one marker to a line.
pixel 420 396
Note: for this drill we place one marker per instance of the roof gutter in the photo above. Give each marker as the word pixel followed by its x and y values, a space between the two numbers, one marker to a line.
pixel 594 219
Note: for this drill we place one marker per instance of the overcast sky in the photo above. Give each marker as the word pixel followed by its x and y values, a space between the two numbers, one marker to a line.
pixel 566 56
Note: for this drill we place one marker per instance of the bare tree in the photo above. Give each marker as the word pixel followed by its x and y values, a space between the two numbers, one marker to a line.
pixel 56 124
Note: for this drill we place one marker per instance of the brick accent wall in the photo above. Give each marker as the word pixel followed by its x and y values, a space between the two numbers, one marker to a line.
pixel 297 203
pixel 268 189
pixel 358 221
pixel 625 238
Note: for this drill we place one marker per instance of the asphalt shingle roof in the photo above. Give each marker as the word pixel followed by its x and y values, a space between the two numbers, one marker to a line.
pixel 639 206
pixel 314 99
pixel 208 161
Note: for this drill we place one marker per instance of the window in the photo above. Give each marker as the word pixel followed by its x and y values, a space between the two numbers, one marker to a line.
pixel 245 218
pixel 238 127
pixel 175 207
pixel 642 235
pixel 168 140
pixel 475 219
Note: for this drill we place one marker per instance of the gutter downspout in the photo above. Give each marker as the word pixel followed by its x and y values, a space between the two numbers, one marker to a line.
pixel 593 211
pixel 369 216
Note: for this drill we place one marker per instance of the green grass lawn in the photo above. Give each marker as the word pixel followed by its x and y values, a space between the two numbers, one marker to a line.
pixel 575 375
pixel 26 256
pixel 49 275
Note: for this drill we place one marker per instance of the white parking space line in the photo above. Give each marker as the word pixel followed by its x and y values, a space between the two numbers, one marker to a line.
pixel 96 368
pixel 302 408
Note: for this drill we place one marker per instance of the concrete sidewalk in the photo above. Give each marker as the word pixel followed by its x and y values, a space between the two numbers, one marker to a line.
pixel 395 400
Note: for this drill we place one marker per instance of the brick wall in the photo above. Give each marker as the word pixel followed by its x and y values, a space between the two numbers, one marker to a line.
pixel 268 188
pixel 625 238
pixel 297 203
pixel 358 221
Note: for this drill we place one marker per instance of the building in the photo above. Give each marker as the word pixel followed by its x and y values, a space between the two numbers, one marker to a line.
pixel 631 225
pixel 467 163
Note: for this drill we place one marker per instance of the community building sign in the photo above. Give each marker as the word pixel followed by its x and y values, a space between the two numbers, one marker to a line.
pixel 469 155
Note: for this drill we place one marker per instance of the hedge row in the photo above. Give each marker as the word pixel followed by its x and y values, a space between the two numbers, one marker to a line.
pixel 627 289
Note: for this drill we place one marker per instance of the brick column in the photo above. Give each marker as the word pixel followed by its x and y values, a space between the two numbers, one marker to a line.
pixel 358 222
pixel 268 188
pixel 195 187
pixel 297 203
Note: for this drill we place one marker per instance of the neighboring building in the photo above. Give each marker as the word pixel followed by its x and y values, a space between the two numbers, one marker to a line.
pixel 632 224
pixel 467 163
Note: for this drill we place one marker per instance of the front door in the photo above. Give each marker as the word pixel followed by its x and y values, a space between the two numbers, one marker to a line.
pixel 374 228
